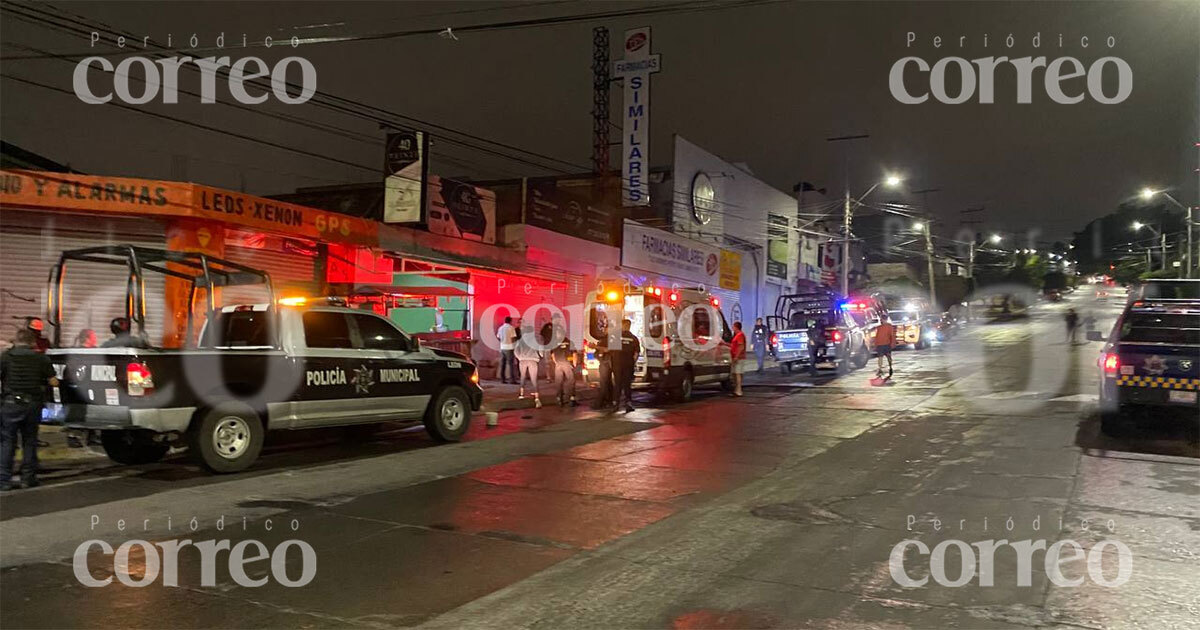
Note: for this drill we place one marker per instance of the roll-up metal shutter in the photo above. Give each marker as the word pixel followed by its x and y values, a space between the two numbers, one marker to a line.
pixel 93 294
pixel 287 269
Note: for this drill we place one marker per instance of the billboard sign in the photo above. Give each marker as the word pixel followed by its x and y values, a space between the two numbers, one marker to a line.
pixel 461 210
pixel 404 184
pixel 636 69
pixel 658 251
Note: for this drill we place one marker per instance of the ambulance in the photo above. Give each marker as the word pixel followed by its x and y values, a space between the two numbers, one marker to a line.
pixel 684 336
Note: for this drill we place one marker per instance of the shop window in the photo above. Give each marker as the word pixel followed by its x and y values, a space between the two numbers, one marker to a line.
pixel 655 320
pixel 598 321
pixel 238 330
pixel 326 330
pixel 701 323
pixel 378 334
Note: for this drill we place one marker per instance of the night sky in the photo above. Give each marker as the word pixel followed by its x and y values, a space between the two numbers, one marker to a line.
pixel 763 84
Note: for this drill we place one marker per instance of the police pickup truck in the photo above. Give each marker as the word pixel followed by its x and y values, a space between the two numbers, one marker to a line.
pixel 1151 360
pixel 281 364
pixel 846 344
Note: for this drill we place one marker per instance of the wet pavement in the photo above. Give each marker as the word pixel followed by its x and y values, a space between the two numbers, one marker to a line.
pixel 778 509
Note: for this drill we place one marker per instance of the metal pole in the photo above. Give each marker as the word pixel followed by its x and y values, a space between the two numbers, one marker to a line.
pixel 846 246
pixel 1162 238
pixel 929 258
pixel 1189 242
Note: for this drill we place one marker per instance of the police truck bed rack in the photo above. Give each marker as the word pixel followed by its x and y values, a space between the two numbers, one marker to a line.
pixel 203 272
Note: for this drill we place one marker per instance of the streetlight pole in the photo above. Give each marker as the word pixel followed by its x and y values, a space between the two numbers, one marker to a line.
pixel 846 218
pixel 1147 194
pixel 929 260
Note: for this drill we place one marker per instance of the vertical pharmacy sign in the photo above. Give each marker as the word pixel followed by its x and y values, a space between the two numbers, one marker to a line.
pixel 635 69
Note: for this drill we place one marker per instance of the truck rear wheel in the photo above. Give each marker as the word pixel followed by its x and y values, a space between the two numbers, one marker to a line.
pixel 227 438
pixel 132 447
pixel 448 415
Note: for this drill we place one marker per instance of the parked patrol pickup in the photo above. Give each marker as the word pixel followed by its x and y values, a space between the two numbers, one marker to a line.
pixel 291 363
pixel 1151 360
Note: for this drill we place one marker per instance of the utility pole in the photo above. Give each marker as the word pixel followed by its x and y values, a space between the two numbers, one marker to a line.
pixel 929 259
pixel 846 245
pixel 929 241
pixel 846 217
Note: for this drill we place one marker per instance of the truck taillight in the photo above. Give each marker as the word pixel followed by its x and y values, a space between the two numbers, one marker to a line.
pixel 836 336
pixel 774 339
pixel 666 352
pixel 138 381
pixel 1112 363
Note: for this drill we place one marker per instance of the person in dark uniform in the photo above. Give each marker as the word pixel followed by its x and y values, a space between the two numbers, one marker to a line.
pixel 123 337
pixel 760 339
pixel 631 349
pixel 605 358
pixel 563 359
pixel 816 342
pixel 24 375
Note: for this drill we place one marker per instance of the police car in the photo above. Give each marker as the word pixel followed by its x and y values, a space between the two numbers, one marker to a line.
pixel 291 363
pixel 1151 361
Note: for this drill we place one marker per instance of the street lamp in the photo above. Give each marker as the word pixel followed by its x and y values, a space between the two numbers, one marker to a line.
pixel 891 181
pixel 918 226
pixel 1162 237
pixel 996 238
pixel 1147 195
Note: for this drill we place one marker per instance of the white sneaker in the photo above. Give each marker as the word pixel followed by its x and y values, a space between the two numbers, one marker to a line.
pixel 537 403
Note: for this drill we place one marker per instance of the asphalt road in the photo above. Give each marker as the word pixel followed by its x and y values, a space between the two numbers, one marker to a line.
pixel 779 509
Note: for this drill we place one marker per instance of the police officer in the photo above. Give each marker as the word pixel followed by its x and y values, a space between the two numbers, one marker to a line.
pixel 626 362
pixel 605 357
pixel 816 342
pixel 24 375
pixel 123 337
pixel 562 360
pixel 760 337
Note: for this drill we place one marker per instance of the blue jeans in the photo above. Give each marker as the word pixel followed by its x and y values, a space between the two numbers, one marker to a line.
pixel 508 366
pixel 761 353
pixel 19 420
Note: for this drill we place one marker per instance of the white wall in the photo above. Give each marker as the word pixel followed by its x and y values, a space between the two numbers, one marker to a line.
pixel 742 205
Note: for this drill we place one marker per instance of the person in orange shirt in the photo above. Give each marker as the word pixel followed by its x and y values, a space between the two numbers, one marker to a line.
pixel 737 352
pixel 885 338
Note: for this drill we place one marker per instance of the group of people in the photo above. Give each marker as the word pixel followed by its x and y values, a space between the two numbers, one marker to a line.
pixel 522 351
pixel 26 373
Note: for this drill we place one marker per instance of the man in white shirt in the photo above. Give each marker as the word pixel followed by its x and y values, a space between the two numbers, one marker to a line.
pixel 507 334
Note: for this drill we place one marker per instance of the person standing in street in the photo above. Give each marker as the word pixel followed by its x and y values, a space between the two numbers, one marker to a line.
pixel 760 337
pixel 507 334
pixel 1072 324
pixel 24 376
pixel 885 338
pixel 604 359
pixel 562 360
pixel 528 356
pixel 631 349
pixel 816 342
pixel 737 353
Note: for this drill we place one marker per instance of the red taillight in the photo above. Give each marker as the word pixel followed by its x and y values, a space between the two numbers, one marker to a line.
pixel 836 335
pixel 673 297
pixel 1112 363
pixel 666 352
pixel 138 381
pixel 774 339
